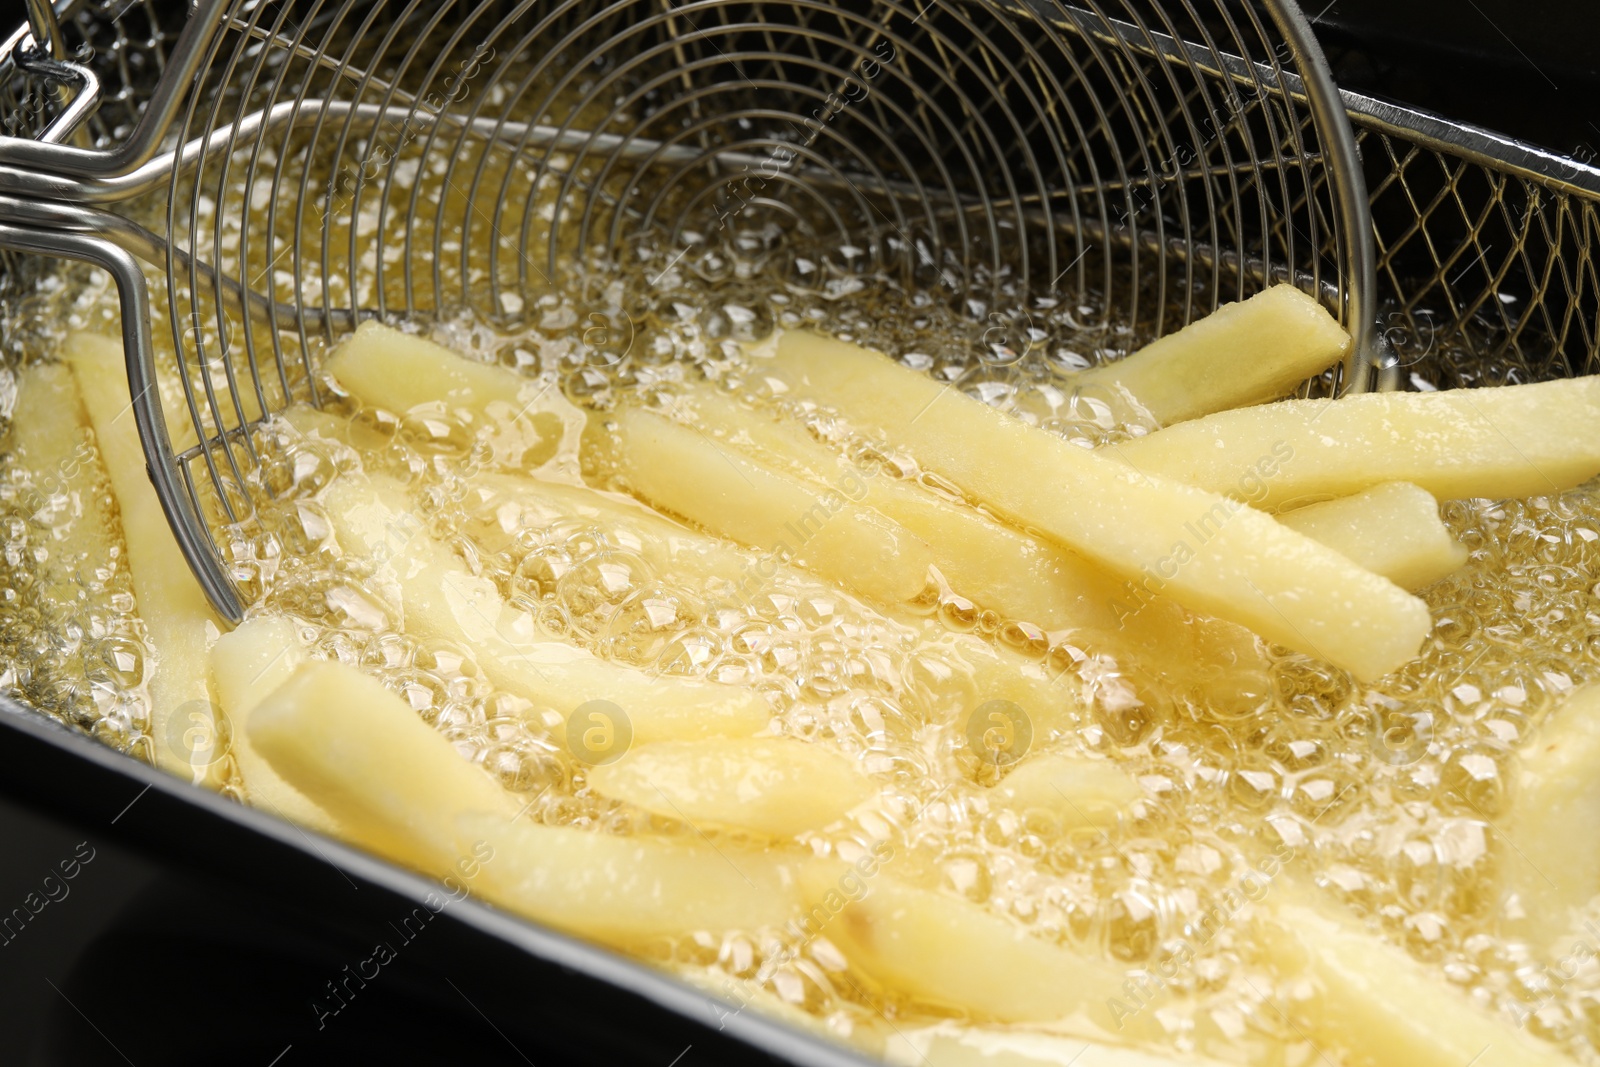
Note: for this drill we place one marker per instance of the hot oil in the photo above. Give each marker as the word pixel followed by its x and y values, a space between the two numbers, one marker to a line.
pixel 1386 793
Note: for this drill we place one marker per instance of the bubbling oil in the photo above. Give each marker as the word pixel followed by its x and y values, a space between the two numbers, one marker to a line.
pixel 1387 793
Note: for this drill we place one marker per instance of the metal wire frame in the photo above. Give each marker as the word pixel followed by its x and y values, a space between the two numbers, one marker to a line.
pixel 977 148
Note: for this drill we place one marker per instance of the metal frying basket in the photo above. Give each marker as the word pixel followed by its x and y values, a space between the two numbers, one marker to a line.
pixel 1145 160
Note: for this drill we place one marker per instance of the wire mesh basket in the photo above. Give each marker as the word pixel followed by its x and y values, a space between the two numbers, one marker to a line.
pixel 274 173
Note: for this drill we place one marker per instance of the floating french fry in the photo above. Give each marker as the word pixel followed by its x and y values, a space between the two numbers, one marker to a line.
pixel 1376 1005
pixel 1392 529
pixel 626 890
pixel 770 785
pixel 1211 554
pixel 1079 792
pixel 246 664
pixel 190 737
pixel 1499 441
pixel 444 601
pixel 819 526
pixel 1244 353
pixel 361 754
pixel 954 954
pixel 1554 869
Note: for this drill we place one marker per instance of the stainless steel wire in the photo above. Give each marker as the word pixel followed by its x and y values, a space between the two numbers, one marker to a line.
pixel 1160 158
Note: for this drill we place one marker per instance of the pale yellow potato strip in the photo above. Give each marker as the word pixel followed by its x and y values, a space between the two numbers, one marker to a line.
pixel 399 371
pixel 626 890
pixel 395 785
pixel 958 1045
pixel 1379 1007
pixel 443 600
pixel 1211 554
pixel 954 954
pixel 769 785
pixel 179 624
pixel 1245 353
pixel 817 525
pixel 1392 529
pixel 247 663
pixel 1553 864
pixel 48 435
pixel 1079 792
pixel 1500 441
pixel 998 567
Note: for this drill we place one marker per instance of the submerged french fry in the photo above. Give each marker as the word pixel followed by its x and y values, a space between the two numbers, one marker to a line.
pixel 395 785
pixel 1377 1005
pixel 626 890
pixel 1079 792
pixel 1213 555
pixel 47 433
pixel 818 526
pixel 771 785
pixel 1244 353
pixel 1392 529
pixel 444 601
pixel 401 372
pixel 951 1045
pixel 179 624
pixel 246 664
pixel 1553 865
pixel 1500 441
pixel 956 955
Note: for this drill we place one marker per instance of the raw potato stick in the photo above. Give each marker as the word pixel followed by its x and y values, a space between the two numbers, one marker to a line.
pixel 1392 529
pixel 47 433
pixel 1245 353
pixel 444 601
pixel 1374 1002
pixel 395 785
pixel 770 785
pixel 952 953
pixel 818 526
pixel 179 624
pixel 1213 555
pixel 1498 441
pixel 1553 866
pixel 247 664
pixel 1079 792
pixel 626 890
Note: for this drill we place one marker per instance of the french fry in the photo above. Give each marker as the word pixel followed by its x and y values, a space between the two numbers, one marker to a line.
pixel 771 785
pixel 1379 1006
pixel 1552 869
pixel 625 890
pixel 179 624
pixel 1211 554
pixel 395 785
pixel 1392 529
pixel 530 423
pixel 47 433
pixel 1079 792
pixel 444 601
pixel 994 565
pixel 1244 353
pixel 247 663
pixel 961 1045
pixel 953 954
pixel 818 526
pixel 1499 441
